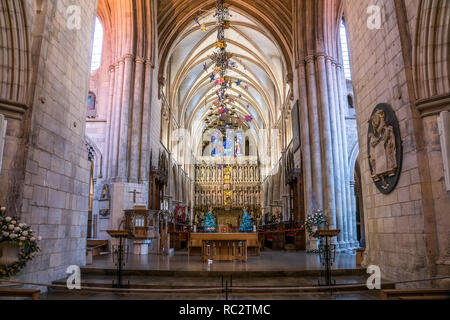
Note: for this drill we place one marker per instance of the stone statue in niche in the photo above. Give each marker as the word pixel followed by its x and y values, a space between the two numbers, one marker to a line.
pixel 104 202
pixel 384 148
pixel 105 192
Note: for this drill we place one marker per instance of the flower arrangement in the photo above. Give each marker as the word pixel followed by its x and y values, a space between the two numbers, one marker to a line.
pixel 314 220
pixel 20 234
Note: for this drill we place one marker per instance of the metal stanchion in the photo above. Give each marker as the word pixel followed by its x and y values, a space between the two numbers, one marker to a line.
pixel 227 289
pixel 120 257
pixel 327 254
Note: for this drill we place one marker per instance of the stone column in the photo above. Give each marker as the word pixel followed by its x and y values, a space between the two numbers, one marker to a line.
pixel 314 134
pixel 146 111
pixel 353 208
pixel 107 163
pixel 136 122
pixel 351 214
pixel 115 123
pixel 328 171
pixel 305 140
pixel 336 152
pixel 343 154
pixel 123 156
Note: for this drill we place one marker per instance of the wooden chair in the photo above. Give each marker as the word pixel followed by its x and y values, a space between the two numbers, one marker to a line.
pixel 240 250
pixel 193 244
pixel 21 293
pixel 254 244
pixel 208 250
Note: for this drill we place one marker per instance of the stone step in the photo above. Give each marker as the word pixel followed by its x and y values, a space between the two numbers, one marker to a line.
pixel 252 285
pixel 218 274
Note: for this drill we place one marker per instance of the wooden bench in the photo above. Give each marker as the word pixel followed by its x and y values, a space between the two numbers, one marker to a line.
pixel 416 294
pixel 21 293
pixel 95 248
pixel 98 246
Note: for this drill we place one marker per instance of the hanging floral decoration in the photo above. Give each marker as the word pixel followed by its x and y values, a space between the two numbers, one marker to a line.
pixel 202 26
pixel 222 62
pixel 14 232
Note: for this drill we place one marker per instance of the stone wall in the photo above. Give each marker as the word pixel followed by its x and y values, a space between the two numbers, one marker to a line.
pixel 400 227
pixel 55 200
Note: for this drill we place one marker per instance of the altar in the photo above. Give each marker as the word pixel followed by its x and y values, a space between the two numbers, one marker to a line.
pixel 223 246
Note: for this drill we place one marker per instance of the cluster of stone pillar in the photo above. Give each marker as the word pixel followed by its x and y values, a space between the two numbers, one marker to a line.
pixel 128 114
pixel 324 145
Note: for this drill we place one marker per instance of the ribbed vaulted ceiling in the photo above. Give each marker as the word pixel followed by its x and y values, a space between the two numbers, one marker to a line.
pixel 260 65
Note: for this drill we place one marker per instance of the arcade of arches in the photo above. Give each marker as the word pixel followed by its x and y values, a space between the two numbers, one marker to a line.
pixel 139 129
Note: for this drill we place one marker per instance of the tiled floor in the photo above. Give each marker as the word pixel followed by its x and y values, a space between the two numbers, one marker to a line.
pixel 268 261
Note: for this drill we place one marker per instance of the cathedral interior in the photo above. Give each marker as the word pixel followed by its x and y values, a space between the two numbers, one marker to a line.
pixel 225 135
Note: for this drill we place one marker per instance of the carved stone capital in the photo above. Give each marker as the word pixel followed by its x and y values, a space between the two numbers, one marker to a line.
pixel 433 105
pixel 13 109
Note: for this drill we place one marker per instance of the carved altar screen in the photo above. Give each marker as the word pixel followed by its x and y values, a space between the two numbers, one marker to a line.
pixel 228 189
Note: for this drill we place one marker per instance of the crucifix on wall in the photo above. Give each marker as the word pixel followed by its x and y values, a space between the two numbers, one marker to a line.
pixel 134 195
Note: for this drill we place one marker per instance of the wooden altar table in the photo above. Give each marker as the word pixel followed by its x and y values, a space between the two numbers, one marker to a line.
pixel 223 246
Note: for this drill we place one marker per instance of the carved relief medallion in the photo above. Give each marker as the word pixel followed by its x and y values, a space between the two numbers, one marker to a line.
pixel 385 149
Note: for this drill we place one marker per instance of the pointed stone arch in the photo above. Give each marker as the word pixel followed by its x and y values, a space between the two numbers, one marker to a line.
pixel 430 57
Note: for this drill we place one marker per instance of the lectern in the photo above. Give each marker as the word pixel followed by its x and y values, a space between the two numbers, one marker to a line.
pixel 120 252
pixel 327 252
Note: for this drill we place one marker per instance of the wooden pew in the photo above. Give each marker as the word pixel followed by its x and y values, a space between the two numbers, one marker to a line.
pixel 21 293
pixel 97 246
pixel 416 294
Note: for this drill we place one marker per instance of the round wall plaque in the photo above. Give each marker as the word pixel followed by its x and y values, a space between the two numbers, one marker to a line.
pixel 384 147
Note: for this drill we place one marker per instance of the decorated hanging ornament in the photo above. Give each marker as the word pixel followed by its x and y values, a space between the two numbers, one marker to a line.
pixel 220 44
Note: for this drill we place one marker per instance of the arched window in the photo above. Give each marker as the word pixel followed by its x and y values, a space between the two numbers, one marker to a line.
pixel 98 46
pixel 345 51
pixel 91 106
